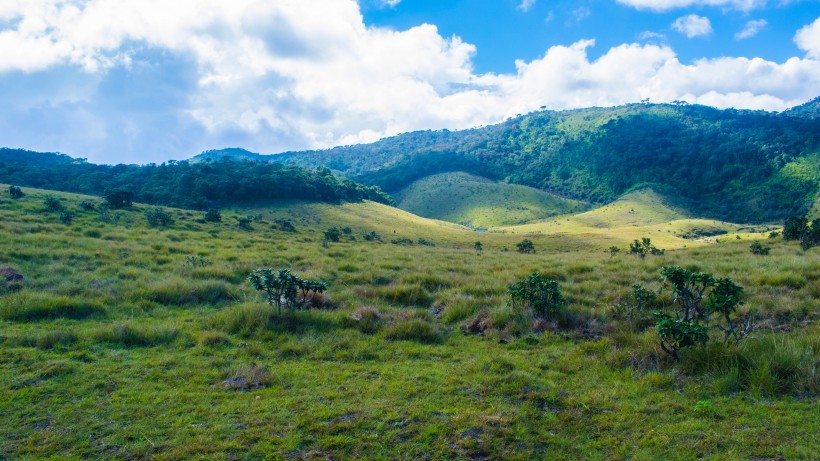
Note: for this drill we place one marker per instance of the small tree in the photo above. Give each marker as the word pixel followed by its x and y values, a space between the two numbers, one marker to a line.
pixel 16 192
pixel 811 235
pixel 724 300
pixel 282 288
pixel 643 247
pixel 676 334
pixel 635 305
pixel 372 236
pixel 213 215
pixel 613 251
pixel 794 227
pixel 118 198
pixel 539 294
pixel 689 289
pixel 478 248
pixel 525 246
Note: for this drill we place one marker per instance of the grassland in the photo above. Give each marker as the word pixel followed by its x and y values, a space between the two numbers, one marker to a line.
pixel 479 202
pixel 642 213
pixel 133 342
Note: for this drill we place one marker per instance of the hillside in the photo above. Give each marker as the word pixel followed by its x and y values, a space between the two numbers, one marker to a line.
pixel 196 185
pixel 723 164
pixel 480 202
pixel 124 340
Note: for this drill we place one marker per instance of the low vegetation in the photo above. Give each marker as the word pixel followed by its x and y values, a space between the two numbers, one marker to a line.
pixel 406 351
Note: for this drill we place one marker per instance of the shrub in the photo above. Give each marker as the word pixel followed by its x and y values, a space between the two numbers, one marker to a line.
pixel 66 217
pixel 285 288
pixel 285 225
pixel 525 246
pixel 636 305
pixel 16 192
pixel 643 247
pixel 613 251
pixel 758 249
pixel 372 236
pixel 52 204
pixel 427 243
pixel 245 223
pixel 10 279
pixel 158 217
pixel 539 294
pixel 479 248
pixel 402 241
pixel 88 205
pixel 689 326
pixel 213 215
pixel 333 234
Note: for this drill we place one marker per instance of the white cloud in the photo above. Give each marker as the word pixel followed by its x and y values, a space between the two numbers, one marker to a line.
pixel 751 29
pixel 666 5
pixel 693 25
pixel 390 3
pixel 526 5
pixel 808 39
pixel 580 13
pixel 149 80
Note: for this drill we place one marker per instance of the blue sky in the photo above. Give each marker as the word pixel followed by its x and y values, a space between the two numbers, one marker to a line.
pixel 138 81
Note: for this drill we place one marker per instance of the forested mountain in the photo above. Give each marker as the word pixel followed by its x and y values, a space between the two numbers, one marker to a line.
pixel 731 164
pixel 182 184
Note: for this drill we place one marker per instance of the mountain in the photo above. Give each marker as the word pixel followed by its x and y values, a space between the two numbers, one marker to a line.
pixel 810 109
pixel 231 153
pixel 183 184
pixel 738 165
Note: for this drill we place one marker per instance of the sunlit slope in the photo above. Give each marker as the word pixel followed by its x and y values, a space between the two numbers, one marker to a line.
pixel 480 202
pixel 639 214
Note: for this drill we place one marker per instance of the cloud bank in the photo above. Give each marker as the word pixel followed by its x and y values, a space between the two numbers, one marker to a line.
pixel 148 80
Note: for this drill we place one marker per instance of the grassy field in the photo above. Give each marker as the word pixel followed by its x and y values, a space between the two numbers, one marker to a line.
pixel 134 342
pixel 640 214
pixel 479 202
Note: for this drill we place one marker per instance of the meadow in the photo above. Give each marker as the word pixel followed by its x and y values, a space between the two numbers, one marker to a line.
pixel 131 341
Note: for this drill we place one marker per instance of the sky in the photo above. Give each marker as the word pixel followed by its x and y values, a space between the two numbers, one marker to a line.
pixel 140 81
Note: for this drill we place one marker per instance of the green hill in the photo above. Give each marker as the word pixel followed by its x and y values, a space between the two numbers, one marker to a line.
pixel 480 202
pixel 724 164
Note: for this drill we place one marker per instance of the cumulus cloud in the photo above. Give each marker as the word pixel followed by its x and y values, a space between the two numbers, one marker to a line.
pixel 389 3
pixel 693 25
pixel 526 5
pixel 808 39
pixel 149 80
pixel 666 5
pixel 751 29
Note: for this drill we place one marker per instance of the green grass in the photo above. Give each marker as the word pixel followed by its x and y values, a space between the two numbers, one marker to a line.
pixel 171 361
pixel 478 202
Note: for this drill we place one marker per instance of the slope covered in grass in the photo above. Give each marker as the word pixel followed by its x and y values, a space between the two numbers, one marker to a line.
pixel 480 202
pixel 132 342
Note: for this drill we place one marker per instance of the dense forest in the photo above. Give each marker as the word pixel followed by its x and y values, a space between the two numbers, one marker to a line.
pixel 731 164
pixel 182 184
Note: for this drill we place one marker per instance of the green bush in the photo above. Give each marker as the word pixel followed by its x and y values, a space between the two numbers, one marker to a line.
pixel 15 192
pixel 283 288
pixel 525 246
pixel 52 204
pixel 213 215
pixel 539 294
pixel 158 217
pixel 757 248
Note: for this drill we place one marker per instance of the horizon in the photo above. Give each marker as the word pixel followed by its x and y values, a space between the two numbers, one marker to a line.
pixel 143 82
